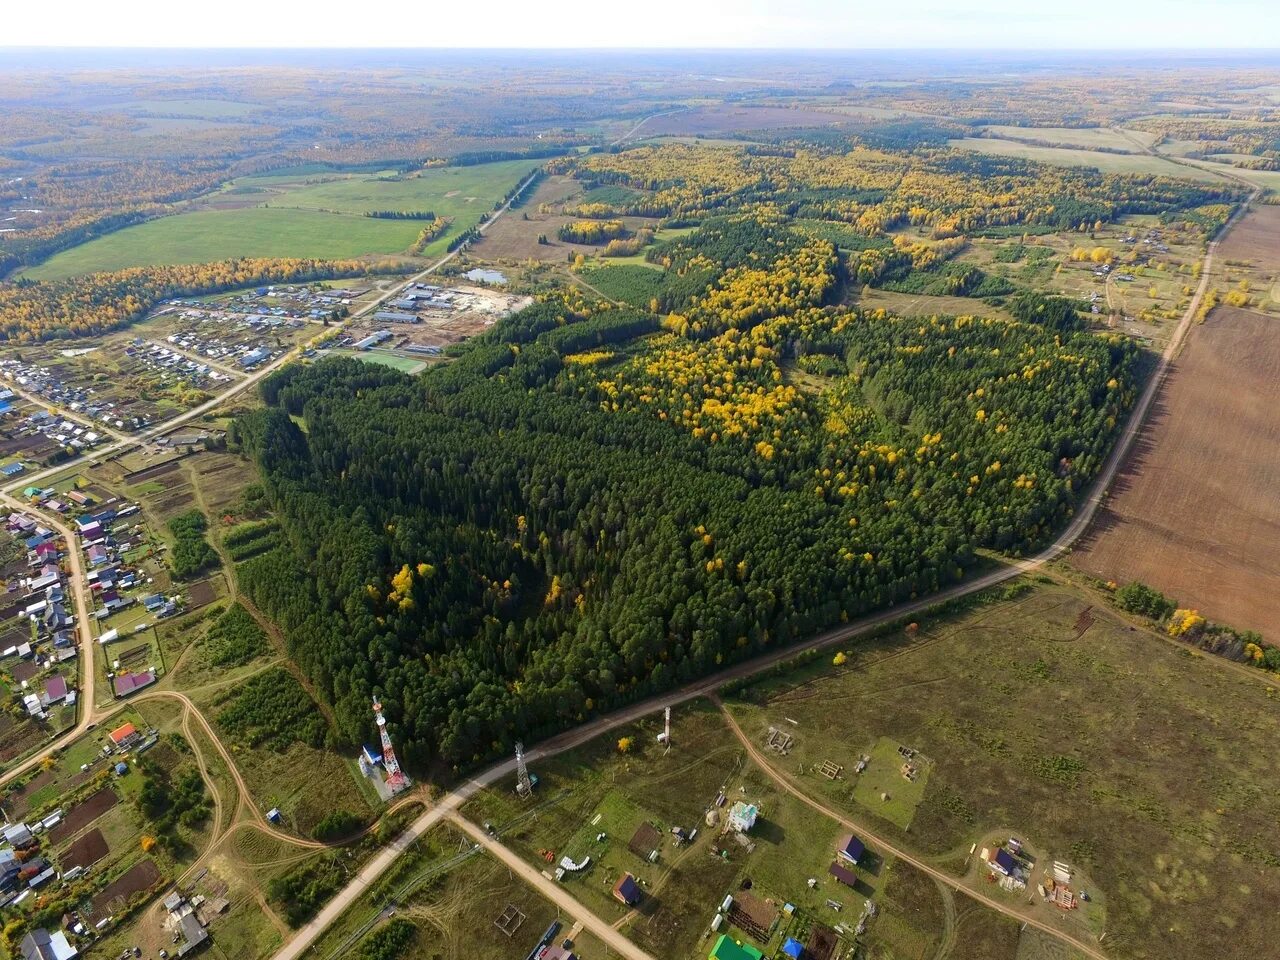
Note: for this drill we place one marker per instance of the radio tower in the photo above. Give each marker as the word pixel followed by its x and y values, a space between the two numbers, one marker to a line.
pixel 396 780
pixel 524 785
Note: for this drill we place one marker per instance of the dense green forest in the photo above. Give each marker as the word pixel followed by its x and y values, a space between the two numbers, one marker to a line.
pixel 589 505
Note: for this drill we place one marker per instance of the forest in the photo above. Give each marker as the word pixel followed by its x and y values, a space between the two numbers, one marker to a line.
pixel 593 503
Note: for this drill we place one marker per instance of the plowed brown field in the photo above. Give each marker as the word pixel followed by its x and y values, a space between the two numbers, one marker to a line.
pixel 1195 512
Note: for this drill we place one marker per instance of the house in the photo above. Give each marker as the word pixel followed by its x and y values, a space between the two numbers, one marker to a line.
pixel 254 357
pixel 124 737
pixel 1002 861
pixel 726 948
pixel 793 948
pixel 78 498
pixel 11 469
pixel 55 690
pixel 844 875
pixel 126 684
pixel 9 869
pixel 152 602
pixel 742 816
pixel 17 835
pixel 92 530
pixel 851 850
pixel 193 934
pixel 55 617
pixel 97 555
pixel 626 890
pixel 40 944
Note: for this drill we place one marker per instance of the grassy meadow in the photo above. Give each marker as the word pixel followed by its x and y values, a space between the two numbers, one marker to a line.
pixel 301 215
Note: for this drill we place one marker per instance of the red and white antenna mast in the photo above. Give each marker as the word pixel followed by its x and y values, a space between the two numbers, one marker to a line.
pixel 396 780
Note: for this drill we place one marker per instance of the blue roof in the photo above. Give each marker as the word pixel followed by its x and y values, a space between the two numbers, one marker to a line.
pixel 854 849
pixel 1005 860
pixel 9 469
pixel 793 948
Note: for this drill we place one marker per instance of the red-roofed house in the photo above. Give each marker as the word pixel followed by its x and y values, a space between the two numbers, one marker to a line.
pixel 123 736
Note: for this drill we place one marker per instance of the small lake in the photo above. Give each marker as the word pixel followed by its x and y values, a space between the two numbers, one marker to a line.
pixel 485 276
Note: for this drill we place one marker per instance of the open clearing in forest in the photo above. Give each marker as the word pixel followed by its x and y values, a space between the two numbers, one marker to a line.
pixel 726 118
pixel 1082 138
pixel 1067 157
pixel 1195 511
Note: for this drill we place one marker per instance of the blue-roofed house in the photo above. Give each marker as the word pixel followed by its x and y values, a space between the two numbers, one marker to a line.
pixel 793 948
pixel 1002 861
pixel 851 850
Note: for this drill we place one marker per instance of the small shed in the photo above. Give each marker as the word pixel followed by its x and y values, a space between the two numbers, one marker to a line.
pixel 793 948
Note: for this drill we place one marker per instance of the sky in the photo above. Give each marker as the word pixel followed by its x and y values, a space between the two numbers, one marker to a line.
pixel 784 24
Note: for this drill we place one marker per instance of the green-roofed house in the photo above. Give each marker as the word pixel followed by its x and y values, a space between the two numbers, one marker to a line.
pixel 727 948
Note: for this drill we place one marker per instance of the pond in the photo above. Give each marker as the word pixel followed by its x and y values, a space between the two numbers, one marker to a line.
pixel 485 276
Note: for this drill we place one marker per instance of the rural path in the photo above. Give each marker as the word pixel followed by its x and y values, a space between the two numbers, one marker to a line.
pixel 553 891
pixel 84 633
pixel 787 783
pixel 90 713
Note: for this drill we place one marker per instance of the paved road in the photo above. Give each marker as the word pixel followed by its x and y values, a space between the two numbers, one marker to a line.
pixel 787 784
pixel 90 712
pixel 1074 530
pixel 553 891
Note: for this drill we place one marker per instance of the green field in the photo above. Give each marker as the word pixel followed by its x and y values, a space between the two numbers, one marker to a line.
pixel 209 109
pixel 218 234
pixel 1051 717
pixel 1066 157
pixel 1084 138
pixel 302 220
pixel 394 361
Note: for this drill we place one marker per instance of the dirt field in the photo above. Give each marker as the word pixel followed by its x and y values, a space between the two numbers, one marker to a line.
pixel 141 876
pixel 514 238
pixel 83 814
pixel 1256 238
pixel 728 119
pixel 1196 511
pixel 85 852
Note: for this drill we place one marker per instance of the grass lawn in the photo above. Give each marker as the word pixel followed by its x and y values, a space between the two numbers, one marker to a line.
pixel 392 360
pixel 1049 716
pixel 1067 157
pixel 207 235
pixel 882 777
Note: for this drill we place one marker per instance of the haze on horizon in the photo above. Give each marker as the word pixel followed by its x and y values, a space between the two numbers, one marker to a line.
pixel 658 24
